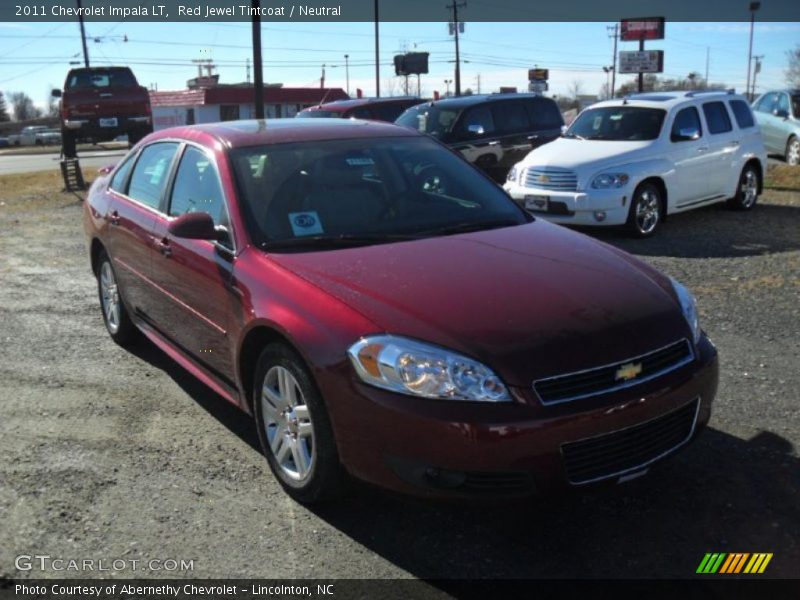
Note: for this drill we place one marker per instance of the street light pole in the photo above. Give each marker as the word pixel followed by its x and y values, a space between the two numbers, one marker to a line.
pixel 377 54
pixel 754 6
pixel 347 72
pixel 447 83
pixel 83 36
pixel 454 7
pixel 258 70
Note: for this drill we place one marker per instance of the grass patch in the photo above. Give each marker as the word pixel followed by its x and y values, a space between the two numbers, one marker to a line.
pixel 783 177
pixel 33 190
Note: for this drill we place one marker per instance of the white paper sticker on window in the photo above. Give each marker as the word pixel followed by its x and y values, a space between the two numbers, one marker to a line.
pixel 305 223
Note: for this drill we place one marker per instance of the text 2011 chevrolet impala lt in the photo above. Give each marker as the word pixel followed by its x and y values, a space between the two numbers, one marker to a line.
pixel 385 311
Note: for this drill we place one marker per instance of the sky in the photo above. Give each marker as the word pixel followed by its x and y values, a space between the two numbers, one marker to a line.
pixel 34 57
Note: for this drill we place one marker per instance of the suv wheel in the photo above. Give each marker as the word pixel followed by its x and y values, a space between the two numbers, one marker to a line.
pixel 294 428
pixel 747 191
pixel 793 151
pixel 115 315
pixel 647 207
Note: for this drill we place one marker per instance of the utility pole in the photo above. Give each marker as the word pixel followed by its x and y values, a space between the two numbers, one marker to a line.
pixel 754 6
pixel 708 59
pixel 756 71
pixel 454 7
pixel 247 69
pixel 258 70
pixel 641 75
pixel 377 54
pixel 347 72
pixel 83 36
pixel 478 83
pixel 615 28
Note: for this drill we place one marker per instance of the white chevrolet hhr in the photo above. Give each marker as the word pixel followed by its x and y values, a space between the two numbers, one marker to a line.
pixel 633 161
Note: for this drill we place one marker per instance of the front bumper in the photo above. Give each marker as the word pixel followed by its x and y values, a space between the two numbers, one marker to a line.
pixel 446 448
pixel 580 207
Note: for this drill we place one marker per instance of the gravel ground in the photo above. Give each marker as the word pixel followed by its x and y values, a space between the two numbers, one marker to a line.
pixel 112 454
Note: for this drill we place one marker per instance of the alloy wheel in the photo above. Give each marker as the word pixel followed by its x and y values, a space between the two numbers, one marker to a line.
pixel 109 293
pixel 793 152
pixel 287 424
pixel 648 211
pixel 749 188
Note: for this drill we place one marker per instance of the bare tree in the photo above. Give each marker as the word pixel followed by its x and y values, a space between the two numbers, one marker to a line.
pixel 793 67
pixel 23 107
pixel 4 116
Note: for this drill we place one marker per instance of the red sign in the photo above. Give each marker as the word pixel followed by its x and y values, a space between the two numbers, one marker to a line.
pixel 649 28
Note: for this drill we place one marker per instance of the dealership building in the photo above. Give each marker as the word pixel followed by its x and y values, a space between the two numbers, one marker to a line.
pixel 210 104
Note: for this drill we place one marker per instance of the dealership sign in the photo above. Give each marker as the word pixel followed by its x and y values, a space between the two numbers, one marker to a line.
pixel 649 61
pixel 634 30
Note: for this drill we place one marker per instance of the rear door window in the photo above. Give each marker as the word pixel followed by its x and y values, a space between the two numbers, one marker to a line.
pixel 510 117
pixel 544 114
pixel 149 178
pixel 717 117
pixel 783 103
pixel 742 114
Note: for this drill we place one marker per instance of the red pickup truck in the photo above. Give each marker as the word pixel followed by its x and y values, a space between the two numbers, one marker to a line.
pixel 102 103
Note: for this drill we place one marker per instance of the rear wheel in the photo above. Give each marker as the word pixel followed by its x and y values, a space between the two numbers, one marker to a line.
pixel 647 208
pixel 793 151
pixel 115 315
pixel 293 427
pixel 747 190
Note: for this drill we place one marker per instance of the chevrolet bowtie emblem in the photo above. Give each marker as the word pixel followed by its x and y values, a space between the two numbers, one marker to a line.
pixel 543 179
pixel 628 371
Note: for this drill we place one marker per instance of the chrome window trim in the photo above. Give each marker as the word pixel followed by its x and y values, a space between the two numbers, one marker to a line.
pixel 621 386
pixel 697 399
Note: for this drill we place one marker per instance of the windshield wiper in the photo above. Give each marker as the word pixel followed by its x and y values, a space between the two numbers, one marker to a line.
pixel 336 241
pixel 471 226
pixel 570 134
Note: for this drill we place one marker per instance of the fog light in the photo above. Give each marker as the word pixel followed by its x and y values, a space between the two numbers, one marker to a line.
pixel 599 216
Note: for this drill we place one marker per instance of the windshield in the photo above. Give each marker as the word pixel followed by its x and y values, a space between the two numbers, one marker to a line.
pixel 364 191
pixel 318 114
pixel 618 123
pixel 100 78
pixel 430 119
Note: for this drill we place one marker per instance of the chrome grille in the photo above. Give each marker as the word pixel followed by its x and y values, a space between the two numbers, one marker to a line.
pixel 551 178
pixel 628 450
pixel 602 380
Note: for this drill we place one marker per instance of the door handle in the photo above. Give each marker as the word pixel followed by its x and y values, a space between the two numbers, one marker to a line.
pixel 735 143
pixel 164 247
pixel 114 218
pixel 493 143
pixel 533 137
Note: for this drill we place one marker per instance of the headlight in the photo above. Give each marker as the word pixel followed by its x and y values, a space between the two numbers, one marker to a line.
pixel 610 180
pixel 410 367
pixel 689 308
pixel 513 173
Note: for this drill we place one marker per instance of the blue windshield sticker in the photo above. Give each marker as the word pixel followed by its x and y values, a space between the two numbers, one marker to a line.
pixel 360 162
pixel 305 223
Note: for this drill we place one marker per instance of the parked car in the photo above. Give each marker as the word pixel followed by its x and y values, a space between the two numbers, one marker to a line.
pixel 101 103
pixel 372 109
pixel 431 339
pixel 28 136
pixel 636 160
pixel 492 131
pixel 778 114
pixel 4 142
pixel 48 137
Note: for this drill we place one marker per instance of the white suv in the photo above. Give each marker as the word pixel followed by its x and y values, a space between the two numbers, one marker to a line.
pixel 633 161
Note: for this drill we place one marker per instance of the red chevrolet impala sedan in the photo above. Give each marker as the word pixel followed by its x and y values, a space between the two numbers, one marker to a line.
pixel 385 311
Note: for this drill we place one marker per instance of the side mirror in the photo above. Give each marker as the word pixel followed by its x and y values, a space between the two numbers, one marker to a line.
pixel 781 113
pixel 687 134
pixel 56 93
pixel 475 129
pixel 106 170
pixel 194 226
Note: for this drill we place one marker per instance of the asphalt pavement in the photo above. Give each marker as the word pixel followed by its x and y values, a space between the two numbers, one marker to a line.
pixel 29 163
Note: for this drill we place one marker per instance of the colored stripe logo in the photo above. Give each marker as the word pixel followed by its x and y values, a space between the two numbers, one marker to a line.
pixel 734 563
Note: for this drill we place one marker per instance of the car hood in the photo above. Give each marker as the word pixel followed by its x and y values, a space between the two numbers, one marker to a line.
pixel 570 153
pixel 529 301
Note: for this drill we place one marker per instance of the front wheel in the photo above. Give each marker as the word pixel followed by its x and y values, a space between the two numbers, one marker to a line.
pixel 793 151
pixel 293 427
pixel 647 208
pixel 115 315
pixel 747 190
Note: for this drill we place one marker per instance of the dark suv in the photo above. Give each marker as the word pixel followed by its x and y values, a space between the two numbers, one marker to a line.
pixel 493 131
pixel 102 103
pixel 372 109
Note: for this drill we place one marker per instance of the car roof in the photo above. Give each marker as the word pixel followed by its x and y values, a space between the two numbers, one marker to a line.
pixel 667 100
pixel 459 102
pixel 236 134
pixel 343 105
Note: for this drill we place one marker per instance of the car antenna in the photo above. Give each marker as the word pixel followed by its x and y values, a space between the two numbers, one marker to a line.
pixel 321 102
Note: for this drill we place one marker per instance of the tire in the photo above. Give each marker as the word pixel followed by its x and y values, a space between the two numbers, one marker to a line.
pixel 747 189
pixel 793 151
pixel 294 428
pixel 69 143
pixel 115 316
pixel 646 211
